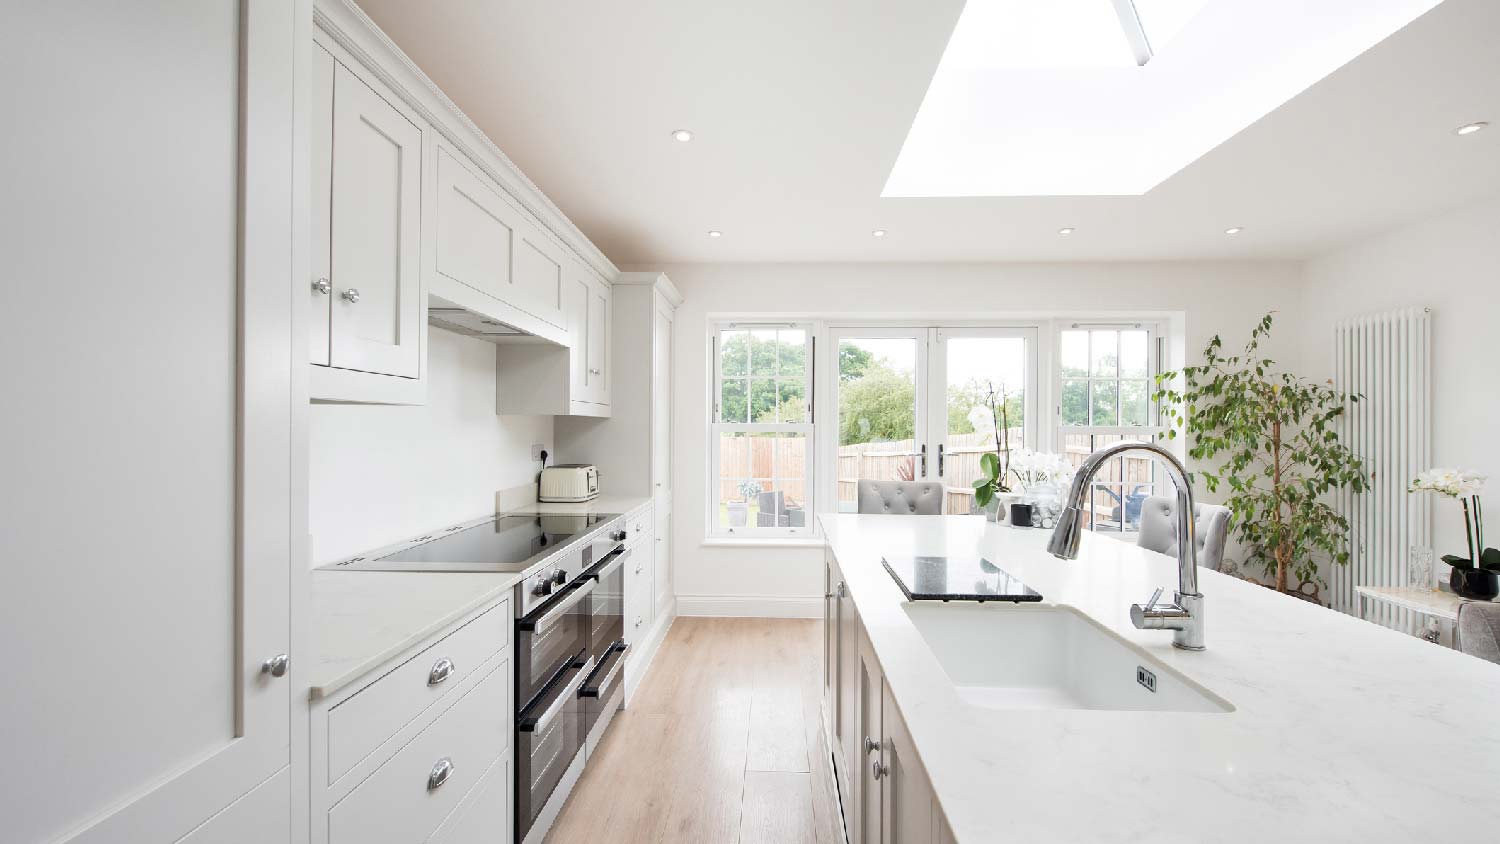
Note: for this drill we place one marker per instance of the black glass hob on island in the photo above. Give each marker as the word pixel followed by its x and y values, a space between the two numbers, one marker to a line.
pixel 956 579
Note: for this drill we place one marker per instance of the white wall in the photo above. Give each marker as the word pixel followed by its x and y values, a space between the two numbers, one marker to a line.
pixel 382 474
pixel 1451 264
pixel 1214 297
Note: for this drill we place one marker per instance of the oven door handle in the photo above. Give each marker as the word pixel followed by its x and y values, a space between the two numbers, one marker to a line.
pixel 579 590
pixel 569 692
pixel 598 688
pixel 607 566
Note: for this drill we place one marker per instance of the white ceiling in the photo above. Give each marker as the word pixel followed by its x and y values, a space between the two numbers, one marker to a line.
pixel 800 108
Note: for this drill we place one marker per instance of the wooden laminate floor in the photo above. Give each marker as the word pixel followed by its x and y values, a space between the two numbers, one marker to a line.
pixel 721 744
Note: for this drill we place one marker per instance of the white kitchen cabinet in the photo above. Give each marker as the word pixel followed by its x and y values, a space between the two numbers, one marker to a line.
pixel 886 796
pixel 661 577
pixel 136 627
pixel 368 312
pixel 595 333
pixel 489 260
pixel 544 379
pixel 634 449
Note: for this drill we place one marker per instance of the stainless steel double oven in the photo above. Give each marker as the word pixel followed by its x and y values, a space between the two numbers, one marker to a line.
pixel 570 655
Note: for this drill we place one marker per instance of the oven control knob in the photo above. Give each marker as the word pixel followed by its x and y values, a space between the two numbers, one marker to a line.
pixel 542 588
pixel 560 577
pixel 618 536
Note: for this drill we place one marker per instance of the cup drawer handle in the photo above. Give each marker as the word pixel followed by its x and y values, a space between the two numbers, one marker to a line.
pixel 441 670
pixel 440 774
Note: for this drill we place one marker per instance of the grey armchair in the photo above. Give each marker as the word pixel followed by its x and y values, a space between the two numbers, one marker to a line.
pixel 903 498
pixel 1477 631
pixel 1159 529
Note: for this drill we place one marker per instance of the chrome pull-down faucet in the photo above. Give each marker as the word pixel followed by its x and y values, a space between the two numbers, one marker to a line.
pixel 1184 616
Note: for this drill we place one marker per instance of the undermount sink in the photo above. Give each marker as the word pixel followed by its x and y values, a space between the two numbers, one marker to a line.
pixel 1030 657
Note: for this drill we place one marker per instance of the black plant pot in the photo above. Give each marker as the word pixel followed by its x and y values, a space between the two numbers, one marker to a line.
pixel 1480 584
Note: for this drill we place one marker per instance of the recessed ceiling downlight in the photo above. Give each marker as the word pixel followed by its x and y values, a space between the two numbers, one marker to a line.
pixel 1234 229
pixel 878 233
pixel 1471 128
pixel 683 135
pixel 1066 230
pixel 715 233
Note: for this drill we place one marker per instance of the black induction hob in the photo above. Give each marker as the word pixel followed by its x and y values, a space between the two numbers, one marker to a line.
pixel 497 543
pixel 956 579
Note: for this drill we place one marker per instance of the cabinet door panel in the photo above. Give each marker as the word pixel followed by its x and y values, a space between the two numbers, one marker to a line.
pixel 576 301
pixel 475 230
pixel 539 277
pixel 869 705
pixel 905 793
pixel 597 389
pixel 135 708
pixel 319 286
pixel 661 578
pixel 377 165
pixel 661 399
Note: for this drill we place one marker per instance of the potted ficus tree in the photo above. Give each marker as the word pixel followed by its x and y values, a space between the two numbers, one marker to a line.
pixel 1477 575
pixel 739 511
pixel 1272 438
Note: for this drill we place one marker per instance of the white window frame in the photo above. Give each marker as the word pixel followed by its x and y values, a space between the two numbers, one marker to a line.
pixel 1157 357
pixel 806 428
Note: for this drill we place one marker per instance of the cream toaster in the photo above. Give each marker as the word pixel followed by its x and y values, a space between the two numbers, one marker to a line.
pixel 568 482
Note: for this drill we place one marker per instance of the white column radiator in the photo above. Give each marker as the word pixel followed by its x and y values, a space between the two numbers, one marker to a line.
pixel 1386 359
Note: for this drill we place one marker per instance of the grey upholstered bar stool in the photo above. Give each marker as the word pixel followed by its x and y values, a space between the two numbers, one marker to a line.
pixel 1477 631
pixel 902 498
pixel 1159 529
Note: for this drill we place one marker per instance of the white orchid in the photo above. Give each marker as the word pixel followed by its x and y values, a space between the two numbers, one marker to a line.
pixel 1454 483
pixel 982 419
pixel 1034 467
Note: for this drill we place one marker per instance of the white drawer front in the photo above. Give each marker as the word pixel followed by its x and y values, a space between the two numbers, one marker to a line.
pixel 398 801
pixel 639 605
pixel 637 526
pixel 484 816
pixel 375 713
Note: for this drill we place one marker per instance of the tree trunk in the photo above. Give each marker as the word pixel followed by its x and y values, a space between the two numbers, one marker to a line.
pixel 1282 552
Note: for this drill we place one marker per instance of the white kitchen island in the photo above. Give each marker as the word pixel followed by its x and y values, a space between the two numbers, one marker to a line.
pixel 1340 730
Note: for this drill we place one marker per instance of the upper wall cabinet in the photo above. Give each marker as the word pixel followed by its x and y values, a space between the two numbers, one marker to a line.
pixel 418 218
pixel 533 378
pixel 368 309
pixel 489 259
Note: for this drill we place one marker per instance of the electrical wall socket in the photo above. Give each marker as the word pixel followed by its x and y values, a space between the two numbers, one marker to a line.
pixel 536 450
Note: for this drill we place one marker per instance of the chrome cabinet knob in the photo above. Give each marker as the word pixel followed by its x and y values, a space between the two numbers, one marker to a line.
pixel 871 745
pixel 276 666
pixel 878 770
pixel 351 295
pixel 441 771
pixel 441 670
pixel 594 372
pixel 322 286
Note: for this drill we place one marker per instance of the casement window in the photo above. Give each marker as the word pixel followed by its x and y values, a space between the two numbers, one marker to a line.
pixel 1105 377
pixel 761 476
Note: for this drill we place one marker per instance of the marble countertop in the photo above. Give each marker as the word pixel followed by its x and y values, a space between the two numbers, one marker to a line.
pixel 362 619
pixel 1342 730
pixel 622 504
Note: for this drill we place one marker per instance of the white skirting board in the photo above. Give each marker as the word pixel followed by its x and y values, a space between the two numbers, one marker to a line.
pixel 750 606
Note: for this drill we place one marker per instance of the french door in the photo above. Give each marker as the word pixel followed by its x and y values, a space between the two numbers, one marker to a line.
pixel 914 403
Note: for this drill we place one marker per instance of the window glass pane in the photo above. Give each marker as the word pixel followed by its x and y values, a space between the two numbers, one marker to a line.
pixel 762 480
pixel 792 351
pixel 1133 403
pixel 1135 358
pixel 791 401
pixel 1105 507
pixel 1104 353
pixel 734 352
pixel 1104 395
pixel 1075 353
pixel 763 351
pixel 1075 403
pixel 732 405
pixel 762 400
